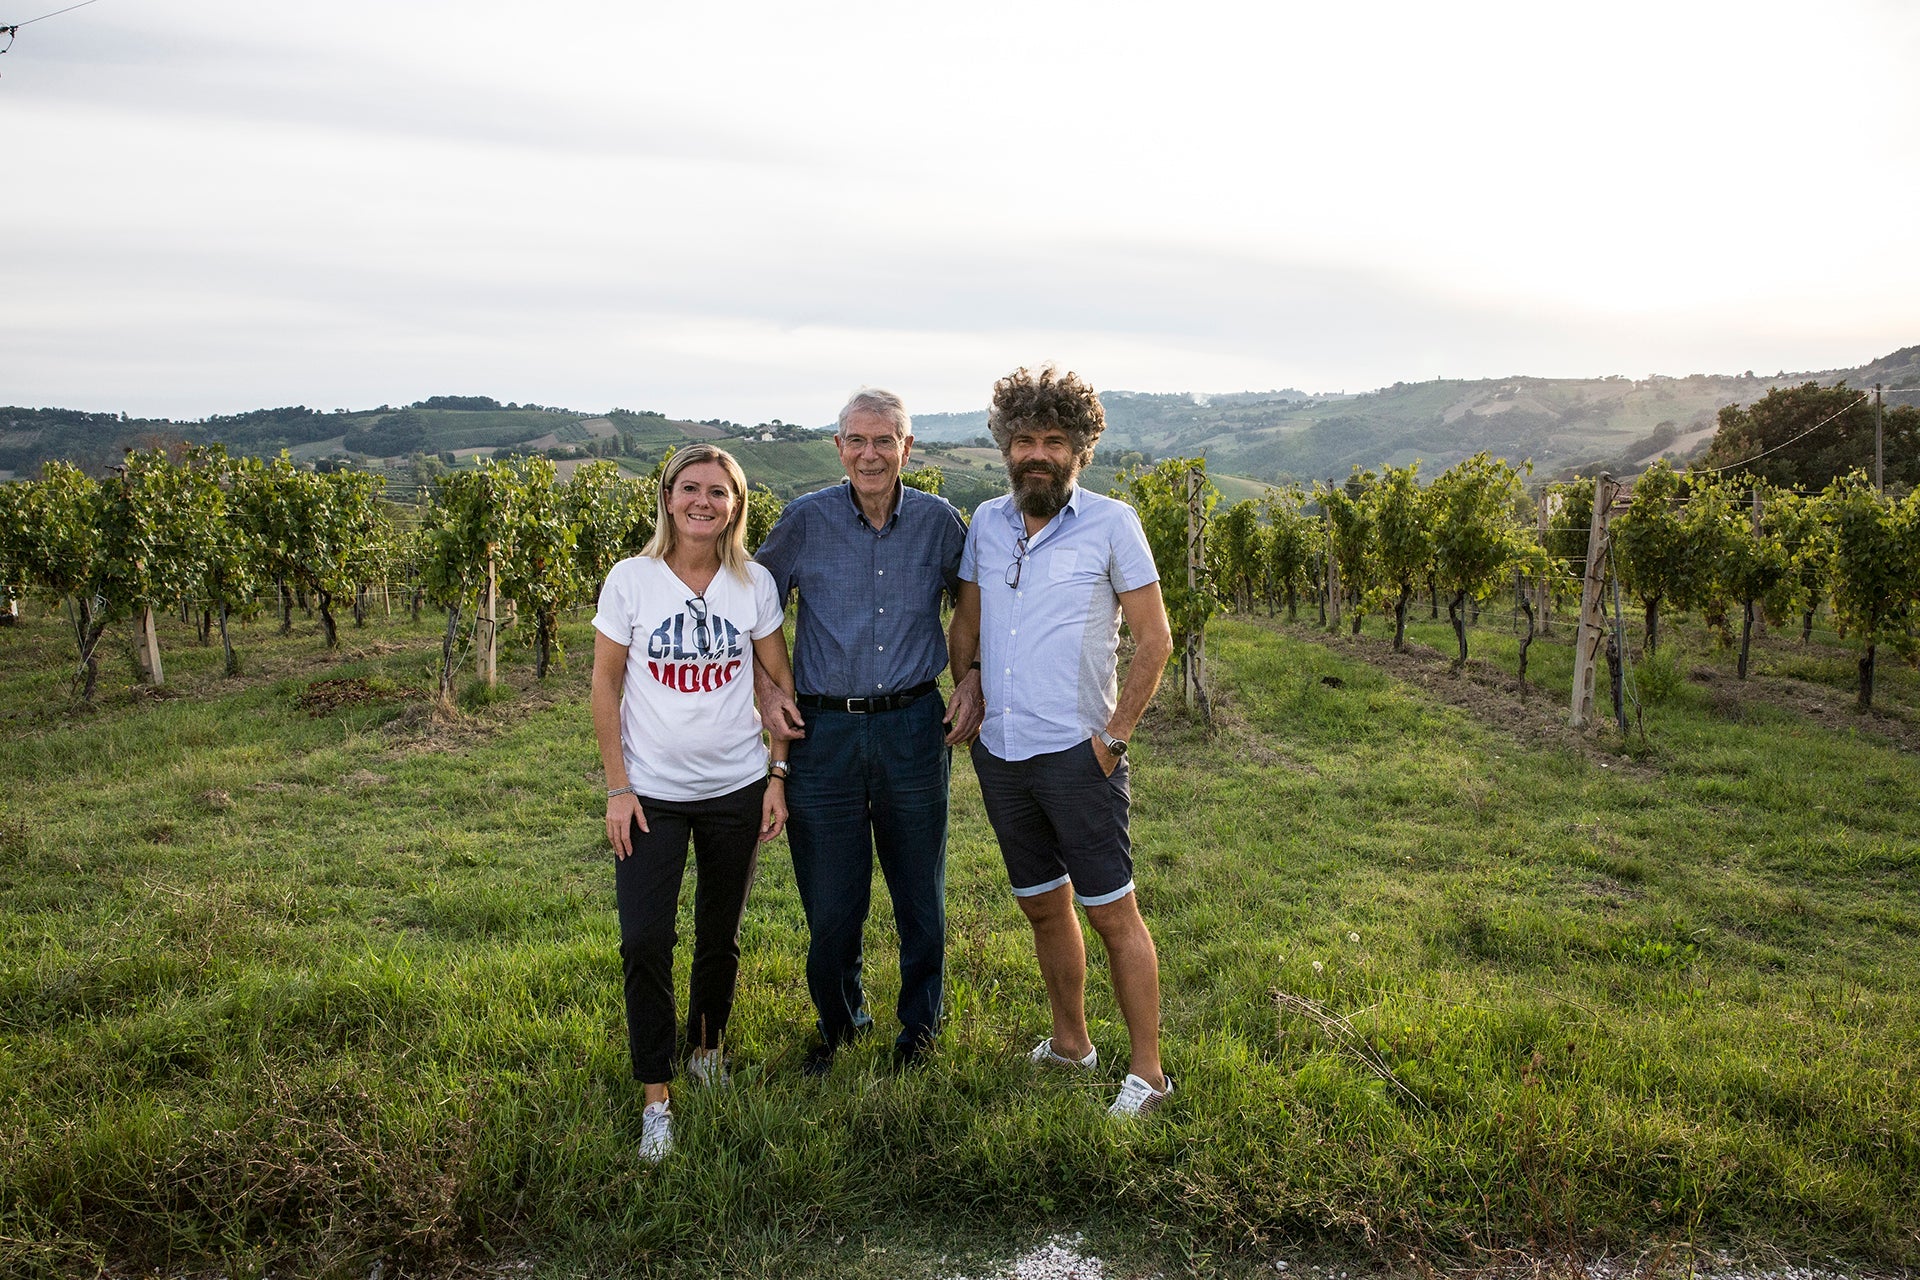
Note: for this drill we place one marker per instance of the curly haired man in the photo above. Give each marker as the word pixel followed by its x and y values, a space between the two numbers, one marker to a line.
pixel 1048 574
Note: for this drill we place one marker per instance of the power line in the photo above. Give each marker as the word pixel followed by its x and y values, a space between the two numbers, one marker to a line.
pixel 1783 444
pixel 13 30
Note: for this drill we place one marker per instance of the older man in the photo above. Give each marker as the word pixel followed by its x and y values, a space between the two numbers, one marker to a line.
pixel 871 559
pixel 1049 572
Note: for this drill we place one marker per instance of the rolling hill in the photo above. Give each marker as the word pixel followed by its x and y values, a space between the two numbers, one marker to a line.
pixel 1561 425
pixel 1250 439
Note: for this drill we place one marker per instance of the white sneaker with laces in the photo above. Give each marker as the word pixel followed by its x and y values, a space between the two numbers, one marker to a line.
pixel 656 1132
pixel 1138 1098
pixel 1044 1056
pixel 705 1067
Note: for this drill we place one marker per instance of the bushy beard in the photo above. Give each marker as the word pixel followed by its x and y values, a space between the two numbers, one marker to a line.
pixel 1041 488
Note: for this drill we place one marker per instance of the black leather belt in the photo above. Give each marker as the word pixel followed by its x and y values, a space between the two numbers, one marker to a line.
pixel 867 706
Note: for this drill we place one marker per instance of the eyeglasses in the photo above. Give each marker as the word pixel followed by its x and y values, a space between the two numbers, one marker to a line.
pixel 885 446
pixel 1019 561
pixel 702 633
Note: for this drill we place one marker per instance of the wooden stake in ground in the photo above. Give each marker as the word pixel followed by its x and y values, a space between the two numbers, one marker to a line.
pixel 147 646
pixel 486 628
pixel 1333 573
pixel 1592 630
pixel 1194 664
pixel 1548 508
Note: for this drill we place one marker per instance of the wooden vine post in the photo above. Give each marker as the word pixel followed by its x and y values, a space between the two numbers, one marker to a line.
pixel 1756 618
pixel 1333 570
pixel 486 625
pixel 1592 630
pixel 1195 662
pixel 1548 508
pixel 147 646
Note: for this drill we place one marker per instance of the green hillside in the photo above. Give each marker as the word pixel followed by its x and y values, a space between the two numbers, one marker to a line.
pixel 1559 424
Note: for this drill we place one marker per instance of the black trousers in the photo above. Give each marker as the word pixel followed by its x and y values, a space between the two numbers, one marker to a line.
pixel 726 848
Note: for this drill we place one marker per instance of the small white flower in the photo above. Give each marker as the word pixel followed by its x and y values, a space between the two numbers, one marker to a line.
pixel 1353 937
pixel 1318 967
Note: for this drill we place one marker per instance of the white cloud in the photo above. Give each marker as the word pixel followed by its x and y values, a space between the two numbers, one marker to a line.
pixel 747 210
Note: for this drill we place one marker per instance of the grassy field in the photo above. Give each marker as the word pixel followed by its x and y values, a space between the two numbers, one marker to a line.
pixel 295 976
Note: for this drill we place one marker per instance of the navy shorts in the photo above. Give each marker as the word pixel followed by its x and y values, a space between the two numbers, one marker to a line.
pixel 1060 819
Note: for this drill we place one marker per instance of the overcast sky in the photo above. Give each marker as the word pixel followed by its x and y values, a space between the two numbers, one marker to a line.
pixel 746 210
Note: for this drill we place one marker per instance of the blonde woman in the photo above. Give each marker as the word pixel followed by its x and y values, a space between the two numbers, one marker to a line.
pixel 678 629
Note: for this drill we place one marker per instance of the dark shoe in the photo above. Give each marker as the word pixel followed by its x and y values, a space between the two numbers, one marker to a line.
pixel 910 1056
pixel 819 1059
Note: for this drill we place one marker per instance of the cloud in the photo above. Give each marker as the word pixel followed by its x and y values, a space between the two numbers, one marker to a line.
pixel 746 211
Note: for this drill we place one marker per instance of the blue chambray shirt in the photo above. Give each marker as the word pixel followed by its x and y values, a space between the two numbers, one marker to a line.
pixel 869 620
pixel 1049 648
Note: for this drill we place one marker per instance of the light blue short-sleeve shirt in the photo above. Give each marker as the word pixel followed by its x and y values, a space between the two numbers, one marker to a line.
pixel 1049 646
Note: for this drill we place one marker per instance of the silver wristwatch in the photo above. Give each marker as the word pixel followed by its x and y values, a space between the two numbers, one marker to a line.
pixel 1118 746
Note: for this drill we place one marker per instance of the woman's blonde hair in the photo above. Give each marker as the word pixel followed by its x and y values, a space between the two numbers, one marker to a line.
pixel 733 539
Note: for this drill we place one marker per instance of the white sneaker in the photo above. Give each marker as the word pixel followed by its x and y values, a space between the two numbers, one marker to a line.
pixel 1044 1056
pixel 705 1067
pixel 1138 1098
pixel 656 1132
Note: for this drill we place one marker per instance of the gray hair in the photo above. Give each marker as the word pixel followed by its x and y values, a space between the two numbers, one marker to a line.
pixel 882 404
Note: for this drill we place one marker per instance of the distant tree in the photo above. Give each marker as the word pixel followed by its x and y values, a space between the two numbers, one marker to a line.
pixel 468 403
pixel 1812 435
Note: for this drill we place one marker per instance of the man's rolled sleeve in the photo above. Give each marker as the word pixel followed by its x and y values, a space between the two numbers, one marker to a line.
pixel 1132 566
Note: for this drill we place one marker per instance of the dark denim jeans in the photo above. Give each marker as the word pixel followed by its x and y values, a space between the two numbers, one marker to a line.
pixel 861 785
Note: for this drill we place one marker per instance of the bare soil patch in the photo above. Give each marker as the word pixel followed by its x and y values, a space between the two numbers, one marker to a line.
pixel 324 697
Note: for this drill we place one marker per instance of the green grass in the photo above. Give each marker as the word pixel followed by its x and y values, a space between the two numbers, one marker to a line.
pixel 294 992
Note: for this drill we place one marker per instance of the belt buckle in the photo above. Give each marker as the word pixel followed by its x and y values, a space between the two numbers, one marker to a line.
pixel 859 706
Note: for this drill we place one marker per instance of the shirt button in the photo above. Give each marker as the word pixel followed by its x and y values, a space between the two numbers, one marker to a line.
pixel 883 611
pixel 882 648
pixel 883 573
pixel 1014 632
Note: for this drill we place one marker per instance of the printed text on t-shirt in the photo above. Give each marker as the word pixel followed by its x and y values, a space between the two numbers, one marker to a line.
pixel 678 660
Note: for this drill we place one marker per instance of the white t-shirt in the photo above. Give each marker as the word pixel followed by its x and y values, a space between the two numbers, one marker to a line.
pixel 688 727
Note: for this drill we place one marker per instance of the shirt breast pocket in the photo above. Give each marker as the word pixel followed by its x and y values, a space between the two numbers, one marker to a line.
pixel 1063 566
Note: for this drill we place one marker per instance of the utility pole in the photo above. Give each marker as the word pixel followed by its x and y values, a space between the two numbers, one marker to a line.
pixel 1879 454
